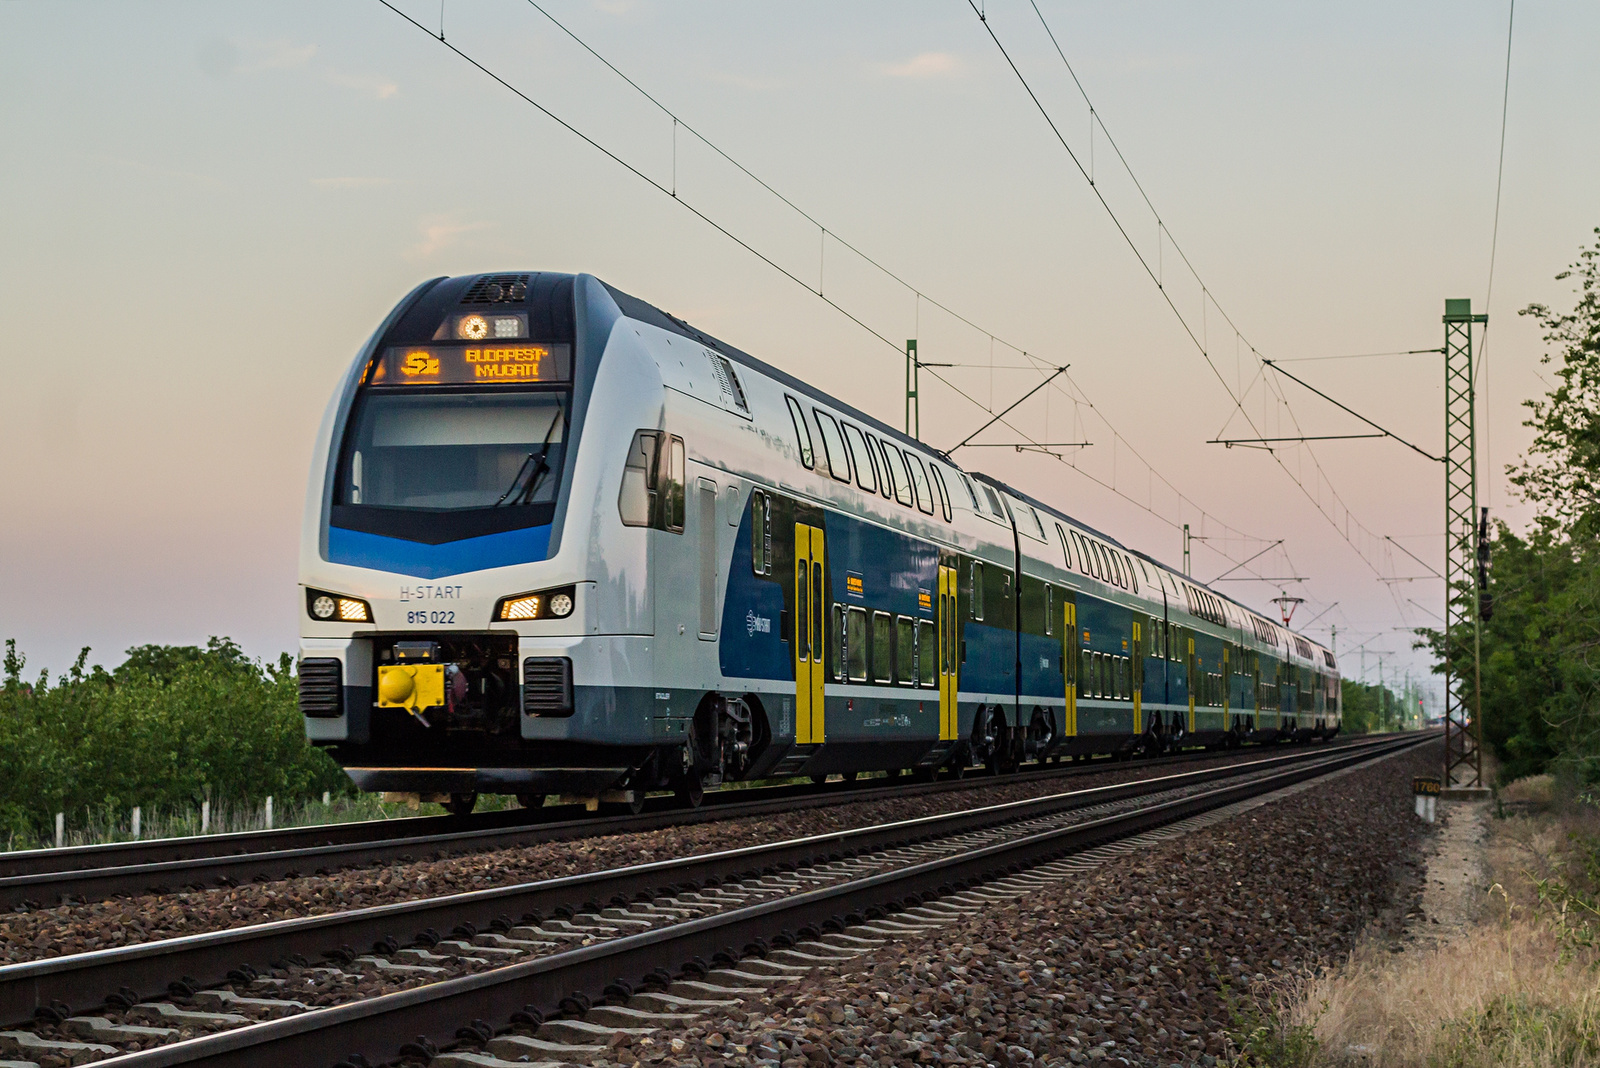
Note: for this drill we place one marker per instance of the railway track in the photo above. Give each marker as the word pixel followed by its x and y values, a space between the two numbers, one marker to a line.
pixel 36 878
pixel 589 937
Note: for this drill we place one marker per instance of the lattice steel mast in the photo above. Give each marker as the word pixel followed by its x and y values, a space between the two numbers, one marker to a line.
pixel 1463 728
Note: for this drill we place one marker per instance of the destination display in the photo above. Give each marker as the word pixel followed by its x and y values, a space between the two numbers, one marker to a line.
pixel 473 365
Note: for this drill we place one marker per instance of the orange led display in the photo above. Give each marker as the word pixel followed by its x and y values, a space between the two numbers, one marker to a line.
pixel 451 365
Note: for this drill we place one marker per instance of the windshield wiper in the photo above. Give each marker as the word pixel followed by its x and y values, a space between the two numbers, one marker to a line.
pixel 537 457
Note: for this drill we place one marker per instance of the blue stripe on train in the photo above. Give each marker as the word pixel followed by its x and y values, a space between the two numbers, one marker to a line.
pixel 436 561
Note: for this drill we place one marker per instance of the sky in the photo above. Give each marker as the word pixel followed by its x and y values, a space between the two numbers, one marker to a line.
pixel 209 207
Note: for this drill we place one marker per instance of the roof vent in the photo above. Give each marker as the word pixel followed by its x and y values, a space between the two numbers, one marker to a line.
pixel 497 289
pixel 727 381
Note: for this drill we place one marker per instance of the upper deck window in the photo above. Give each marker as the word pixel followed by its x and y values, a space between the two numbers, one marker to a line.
pixel 866 464
pixel 919 479
pixel 802 432
pixel 832 446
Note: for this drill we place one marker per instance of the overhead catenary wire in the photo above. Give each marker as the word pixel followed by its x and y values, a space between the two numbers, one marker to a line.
pixel 676 194
pixel 1494 245
pixel 1156 275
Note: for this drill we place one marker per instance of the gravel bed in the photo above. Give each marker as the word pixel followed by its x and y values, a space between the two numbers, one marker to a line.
pixel 31 934
pixel 1142 961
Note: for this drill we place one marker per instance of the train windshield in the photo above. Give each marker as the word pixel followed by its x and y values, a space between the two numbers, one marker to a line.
pixel 476 460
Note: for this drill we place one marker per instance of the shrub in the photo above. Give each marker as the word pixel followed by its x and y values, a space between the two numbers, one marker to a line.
pixel 170 726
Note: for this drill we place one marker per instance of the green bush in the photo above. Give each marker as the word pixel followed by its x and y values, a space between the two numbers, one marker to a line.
pixel 169 727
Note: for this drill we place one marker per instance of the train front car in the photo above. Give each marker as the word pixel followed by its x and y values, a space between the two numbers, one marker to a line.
pixel 457 574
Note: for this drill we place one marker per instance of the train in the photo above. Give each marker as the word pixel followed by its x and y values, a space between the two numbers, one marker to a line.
pixel 558 542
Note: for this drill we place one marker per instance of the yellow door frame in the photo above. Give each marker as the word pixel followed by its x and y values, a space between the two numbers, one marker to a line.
pixel 948 661
pixel 1135 680
pixel 1069 664
pixel 810 634
pixel 1192 676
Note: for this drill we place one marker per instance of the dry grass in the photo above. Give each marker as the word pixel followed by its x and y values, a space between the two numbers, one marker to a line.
pixel 1505 993
pixel 1520 988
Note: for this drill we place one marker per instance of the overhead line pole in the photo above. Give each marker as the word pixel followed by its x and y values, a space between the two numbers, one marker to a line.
pixel 1463 713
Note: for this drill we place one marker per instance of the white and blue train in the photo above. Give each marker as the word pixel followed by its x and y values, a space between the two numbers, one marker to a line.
pixel 557 541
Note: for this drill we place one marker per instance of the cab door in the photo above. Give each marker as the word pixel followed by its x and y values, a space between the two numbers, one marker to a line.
pixel 810 607
pixel 948 660
pixel 1069 664
pixel 1227 691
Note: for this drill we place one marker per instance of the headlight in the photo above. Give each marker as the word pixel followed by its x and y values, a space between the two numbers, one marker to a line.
pixel 334 608
pixel 542 604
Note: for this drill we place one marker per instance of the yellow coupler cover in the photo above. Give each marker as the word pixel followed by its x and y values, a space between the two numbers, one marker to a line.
pixel 414 687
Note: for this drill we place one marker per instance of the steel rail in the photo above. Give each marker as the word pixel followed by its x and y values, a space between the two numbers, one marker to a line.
pixel 45 877
pixel 370 1031
pixel 83 980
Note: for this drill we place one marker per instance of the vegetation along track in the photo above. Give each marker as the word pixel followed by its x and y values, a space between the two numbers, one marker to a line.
pixel 569 949
pixel 94 873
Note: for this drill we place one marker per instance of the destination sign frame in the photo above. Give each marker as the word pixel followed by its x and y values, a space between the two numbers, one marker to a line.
pixel 503 363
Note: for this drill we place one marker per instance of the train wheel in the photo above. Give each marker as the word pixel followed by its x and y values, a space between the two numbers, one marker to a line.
pixel 691 792
pixel 531 800
pixel 462 804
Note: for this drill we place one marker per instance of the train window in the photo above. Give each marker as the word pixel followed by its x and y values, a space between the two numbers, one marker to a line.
pixel 927 653
pixel 972 493
pixel 919 479
pixel 976 603
pixel 994 501
pixel 1033 516
pixel 905 650
pixel 760 534
pixel 1086 673
pixel 855 644
pixel 802 433
pixel 1133 577
pixel 1049 609
pixel 819 609
pixel 1066 551
pixel 836 654
pixel 880 466
pixel 896 463
pixel 866 472
pixel 941 490
pixel 637 500
pixel 802 611
pixel 882 647
pixel 674 503
pixel 832 446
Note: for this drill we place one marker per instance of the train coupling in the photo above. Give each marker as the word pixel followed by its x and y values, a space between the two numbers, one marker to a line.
pixel 418 683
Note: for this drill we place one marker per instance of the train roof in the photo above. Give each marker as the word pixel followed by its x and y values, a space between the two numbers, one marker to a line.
pixel 643 311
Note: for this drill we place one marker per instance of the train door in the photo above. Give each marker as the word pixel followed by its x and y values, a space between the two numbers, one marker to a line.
pixel 810 606
pixel 1227 690
pixel 1189 673
pixel 1069 664
pixel 947 653
pixel 1136 680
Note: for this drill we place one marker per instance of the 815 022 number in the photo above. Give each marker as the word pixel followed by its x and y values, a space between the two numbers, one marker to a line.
pixel 430 617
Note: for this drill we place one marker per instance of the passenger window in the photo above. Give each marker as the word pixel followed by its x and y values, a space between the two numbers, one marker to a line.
pixel 675 503
pixel 1133 577
pixel 802 433
pixel 906 651
pixel 994 502
pixel 967 482
pixel 1049 609
pixel 832 446
pixel 865 463
pixel 928 652
pixel 760 533
pixel 1116 570
pixel 882 647
pixel 919 478
pixel 637 500
pixel 855 644
pixel 941 490
pixel 895 461
pixel 1066 550
pixel 977 589
pixel 836 654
